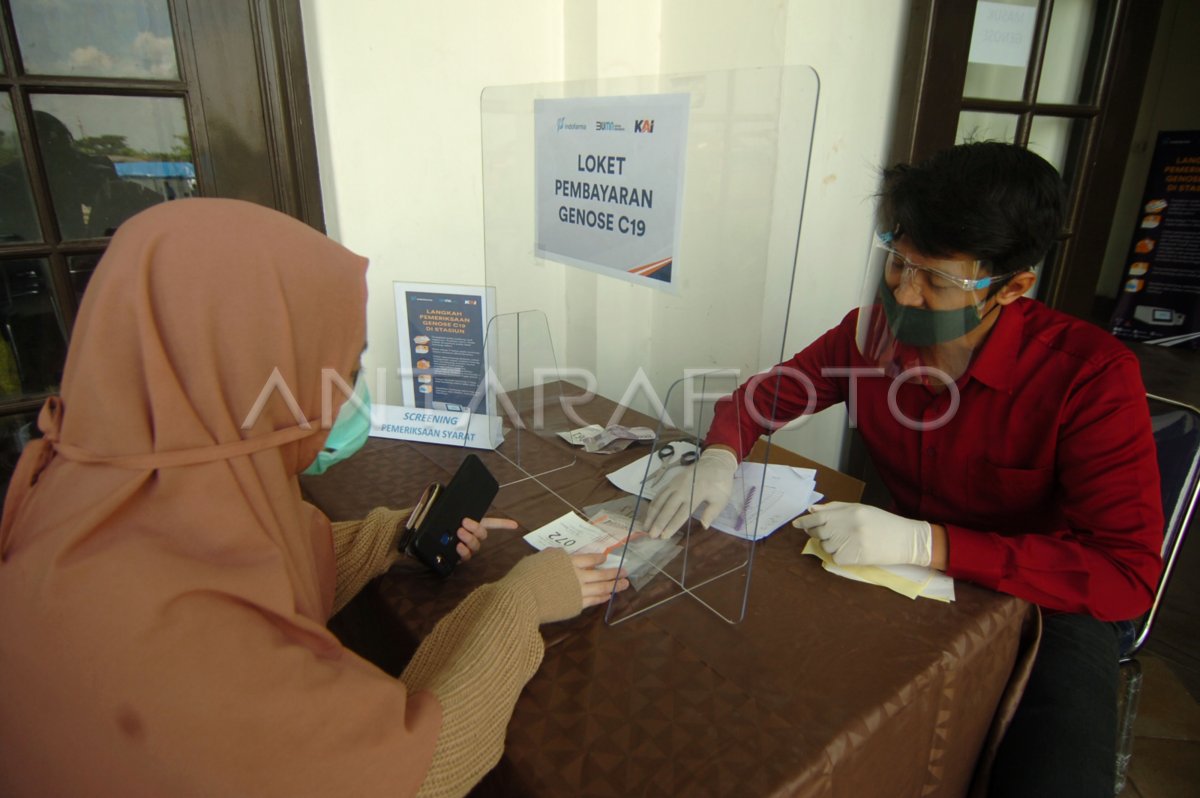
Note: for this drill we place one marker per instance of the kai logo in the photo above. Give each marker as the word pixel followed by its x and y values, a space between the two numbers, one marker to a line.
pixel 643 126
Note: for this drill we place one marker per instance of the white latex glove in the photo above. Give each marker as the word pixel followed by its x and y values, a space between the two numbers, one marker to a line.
pixel 858 534
pixel 712 485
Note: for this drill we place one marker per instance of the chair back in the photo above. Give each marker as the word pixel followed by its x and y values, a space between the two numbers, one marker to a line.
pixel 1177 440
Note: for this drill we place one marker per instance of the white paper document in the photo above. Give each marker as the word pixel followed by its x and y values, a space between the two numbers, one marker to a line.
pixel 606 534
pixel 764 497
pixel 572 533
pixel 912 581
pixel 662 470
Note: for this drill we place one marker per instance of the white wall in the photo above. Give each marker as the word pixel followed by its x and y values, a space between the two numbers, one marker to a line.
pixel 396 86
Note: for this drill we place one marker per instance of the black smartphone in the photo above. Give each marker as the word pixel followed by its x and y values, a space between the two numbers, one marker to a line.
pixel 468 495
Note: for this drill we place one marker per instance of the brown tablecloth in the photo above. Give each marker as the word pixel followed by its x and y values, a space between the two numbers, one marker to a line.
pixel 827 687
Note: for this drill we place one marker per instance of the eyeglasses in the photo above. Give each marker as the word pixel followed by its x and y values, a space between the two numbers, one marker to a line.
pixel 898 264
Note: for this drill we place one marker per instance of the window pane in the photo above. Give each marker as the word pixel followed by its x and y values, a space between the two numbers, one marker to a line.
pixel 81 268
pixel 109 157
pixel 32 345
pixel 1058 140
pixel 15 432
pixel 128 39
pixel 1000 45
pixel 1072 29
pixel 18 219
pixel 980 126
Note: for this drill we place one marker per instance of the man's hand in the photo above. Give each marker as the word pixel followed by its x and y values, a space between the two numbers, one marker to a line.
pixel 858 534
pixel 713 484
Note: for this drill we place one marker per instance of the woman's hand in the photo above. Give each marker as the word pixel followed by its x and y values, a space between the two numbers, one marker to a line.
pixel 472 534
pixel 597 583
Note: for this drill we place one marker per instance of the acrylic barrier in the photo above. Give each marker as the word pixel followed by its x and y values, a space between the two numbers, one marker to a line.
pixel 650 225
pixel 710 564
pixel 653 220
pixel 522 397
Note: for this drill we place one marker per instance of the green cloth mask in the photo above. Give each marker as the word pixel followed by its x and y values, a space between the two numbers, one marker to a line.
pixel 349 431
pixel 924 327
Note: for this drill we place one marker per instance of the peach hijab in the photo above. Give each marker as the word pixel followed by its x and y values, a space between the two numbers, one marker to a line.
pixel 163 587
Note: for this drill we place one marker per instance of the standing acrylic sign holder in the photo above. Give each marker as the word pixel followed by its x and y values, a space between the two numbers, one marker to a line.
pixel 445 359
pixel 651 224
pixel 524 394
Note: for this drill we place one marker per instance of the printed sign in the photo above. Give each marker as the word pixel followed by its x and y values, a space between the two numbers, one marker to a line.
pixel 444 364
pixel 1002 34
pixel 609 184
pixel 1159 301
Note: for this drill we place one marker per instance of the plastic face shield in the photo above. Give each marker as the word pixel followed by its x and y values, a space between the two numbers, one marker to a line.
pixel 917 310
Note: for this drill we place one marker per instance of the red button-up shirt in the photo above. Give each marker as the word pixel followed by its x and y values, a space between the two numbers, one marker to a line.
pixel 1045 476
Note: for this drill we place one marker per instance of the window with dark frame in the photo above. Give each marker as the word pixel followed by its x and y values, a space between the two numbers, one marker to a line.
pixel 108 108
pixel 1066 95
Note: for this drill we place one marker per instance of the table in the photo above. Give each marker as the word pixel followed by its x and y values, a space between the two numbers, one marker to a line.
pixel 827 687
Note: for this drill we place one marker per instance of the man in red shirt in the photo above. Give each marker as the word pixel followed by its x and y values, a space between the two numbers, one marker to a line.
pixel 1015 442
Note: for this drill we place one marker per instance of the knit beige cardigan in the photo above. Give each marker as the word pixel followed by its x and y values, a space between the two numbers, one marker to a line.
pixel 479 657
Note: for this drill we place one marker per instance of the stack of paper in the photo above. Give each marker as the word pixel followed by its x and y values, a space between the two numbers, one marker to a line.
pixel 765 498
pixel 907 580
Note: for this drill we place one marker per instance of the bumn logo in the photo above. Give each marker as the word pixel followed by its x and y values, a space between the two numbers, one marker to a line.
pixel 643 126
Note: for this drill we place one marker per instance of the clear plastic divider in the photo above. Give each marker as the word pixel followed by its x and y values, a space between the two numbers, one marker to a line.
pixel 522 394
pixel 682 324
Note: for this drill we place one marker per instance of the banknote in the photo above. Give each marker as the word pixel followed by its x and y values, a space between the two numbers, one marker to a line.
pixel 606 440
pixel 577 437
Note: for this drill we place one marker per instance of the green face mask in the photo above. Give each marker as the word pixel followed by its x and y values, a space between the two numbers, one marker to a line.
pixel 348 433
pixel 924 327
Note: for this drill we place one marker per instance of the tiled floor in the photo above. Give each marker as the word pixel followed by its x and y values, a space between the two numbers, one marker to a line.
pixel 1166 745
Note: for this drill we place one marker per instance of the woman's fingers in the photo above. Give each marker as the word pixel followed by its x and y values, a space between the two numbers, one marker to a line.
pixel 587 560
pixel 498 523
pixel 476 529
pixel 599 597
pixel 472 540
pixel 597 584
pixel 590 576
pixel 586 570
pixel 472 534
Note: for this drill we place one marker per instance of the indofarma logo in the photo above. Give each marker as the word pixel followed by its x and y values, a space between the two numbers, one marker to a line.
pixel 563 124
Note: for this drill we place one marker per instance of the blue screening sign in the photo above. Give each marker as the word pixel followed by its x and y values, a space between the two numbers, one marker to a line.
pixel 609 184
pixel 445 356
pixel 444 347
pixel 1159 302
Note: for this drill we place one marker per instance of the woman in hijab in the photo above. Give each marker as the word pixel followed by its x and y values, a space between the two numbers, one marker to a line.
pixel 163 587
